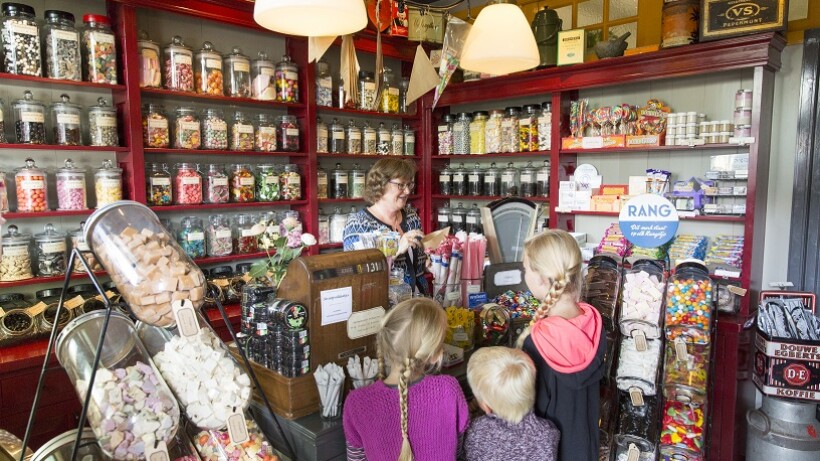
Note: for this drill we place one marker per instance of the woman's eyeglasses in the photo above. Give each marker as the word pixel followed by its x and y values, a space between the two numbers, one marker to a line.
pixel 404 186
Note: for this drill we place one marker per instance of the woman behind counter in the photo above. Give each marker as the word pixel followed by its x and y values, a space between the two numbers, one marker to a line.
pixel 388 186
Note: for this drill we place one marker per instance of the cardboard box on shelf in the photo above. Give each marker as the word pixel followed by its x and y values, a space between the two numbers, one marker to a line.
pixel 606 203
pixel 647 140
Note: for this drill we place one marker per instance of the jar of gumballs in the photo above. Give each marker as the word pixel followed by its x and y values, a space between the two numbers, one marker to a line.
pixel 287 80
pixel 689 300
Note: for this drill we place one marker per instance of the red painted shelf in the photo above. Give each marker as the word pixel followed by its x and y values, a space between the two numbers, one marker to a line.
pixel 56 147
pixel 620 150
pixel 228 100
pixel 365 113
pixel 371 156
pixel 56 278
pixel 229 258
pixel 541 153
pixel 327 246
pixel 340 200
pixel 713 218
pixel 53 81
pixel 487 197
pixel 159 150
pixel 47 214
pixel 210 206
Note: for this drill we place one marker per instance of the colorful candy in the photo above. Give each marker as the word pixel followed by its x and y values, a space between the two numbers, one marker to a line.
pixel 187 132
pixel 689 302
pixel 155 128
pixel 187 185
pixel 683 426
pixel 686 370
pixel 217 446
pixel 242 184
pixel 216 185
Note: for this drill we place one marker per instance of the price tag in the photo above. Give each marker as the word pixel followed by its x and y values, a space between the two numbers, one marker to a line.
pixel 636 396
pixel 186 318
pixel 108 294
pixel 460 335
pixel 221 283
pixel 680 350
pixel 238 428
pixel 36 309
pixel 453 296
pixel 640 340
pixel 633 454
pixel 74 302
pixel 158 453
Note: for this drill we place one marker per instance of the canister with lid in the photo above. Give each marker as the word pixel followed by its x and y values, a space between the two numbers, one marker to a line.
pixel 743 117
pixel 108 183
pixel 102 124
pixel 243 184
pixel 21 40
pixel 78 243
pixel 443 216
pixel 71 190
pixel 459 180
pixel 322 142
pixel 324 84
pixel 65 120
pixel 179 69
pixel 475 181
pixel 187 184
pixel 287 80
pixel 461 134
pixel 528 128
pixel 542 180
pixel 339 182
pixel 337 137
pixel 244 238
pixel 338 221
pixel 370 137
pixel 743 99
pixel 99 50
pixel 266 129
pixel 409 141
pixel 528 180
pixel 353 135
pixel 208 70
pixel 262 72
pixel 390 92
pixel 445 135
pixel 405 108
pixel 473 219
pixel 492 132
pixel 509 181
pixel 290 182
pixel 51 252
pixel 29 120
pixel 191 237
pixel 492 181
pixel 357 178
pixel 545 127
pixel 321 183
pixel 396 140
pixel 367 91
pixel 458 218
pixel 689 301
pixel 150 69
pixel 15 262
pixel 267 183
pixel 187 130
pixel 215 184
pixel 242 132
pixel 287 135
pixel 31 188
pixel 445 181
pixel 62 46
pixel 156 132
pixel 477 133
pixel 237 73
pixel 383 140
pixel 509 130
pixel 324 229
pixel 214 130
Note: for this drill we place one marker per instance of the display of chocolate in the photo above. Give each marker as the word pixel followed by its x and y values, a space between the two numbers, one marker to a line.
pixel 642 298
pixel 601 287
pixel 788 318
pixel 495 325
pixel 639 421
pixel 636 368
pixel 217 446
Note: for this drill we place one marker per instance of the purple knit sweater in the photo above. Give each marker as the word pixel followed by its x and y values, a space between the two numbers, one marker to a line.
pixel 491 438
pixel 437 413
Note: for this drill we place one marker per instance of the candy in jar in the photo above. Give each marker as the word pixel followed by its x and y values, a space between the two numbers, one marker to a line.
pixel 527 178
pixel 243 184
pixel 390 93
pixel 267 183
pixel 30 182
pixel 370 139
pixel 354 138
pixel 324 84
pixel 158 185
pixel 396 140
pixel 216 185
pixel 214 130
pixel 187 131
pixel 78 243
pixel 237 74
pixel 445 136
pixel 324 229
pixel 340 182
pixel 461 134
pixel 686 369
pixel 220 236
pixel 290 183
pixel 51 252
pixel 288 134
pixel 71 191
pixel 683 426
pixel 638 368
pixel 478 140
pixel 409 141
pixel 367 91
pixel 244 235
pixel 262 72
pixel 492 132
pixel 99 50
pixel 65 120
pixel 242 132
pixel 4 193
pixel 217 446
pixel 155 127
pixel 545 127
pixel 265 133
pixel 509 130
pixel 322 144
pixel 321 183
pixel 29 120
pixel 62 46
pixel 102 124
pixel 187 185
pixel 208 70
pixel 21 40
pixel 336 141
pixel 150 70
pixel 357 181
pixel 383 140
pixel 15 262
pixel 542 180
pixel 108 183
pixel 191 237
pixel 642 299
pixel 179 69
pixel 689 299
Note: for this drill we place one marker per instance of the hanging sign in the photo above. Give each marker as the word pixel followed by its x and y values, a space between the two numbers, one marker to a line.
pixel 649 220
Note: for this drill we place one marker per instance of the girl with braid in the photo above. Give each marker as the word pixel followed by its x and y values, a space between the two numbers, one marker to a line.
pixel 566 342
pixel 410 414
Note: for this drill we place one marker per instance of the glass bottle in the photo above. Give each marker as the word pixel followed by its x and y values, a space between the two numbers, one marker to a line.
pixel 158 185
pixel 15 261
pixel 108 183
pixel 208 71
pixel 357 181
pixel 290 183
pixel 409 141
pixel 339 182
pixel 71 191
pixel 338 221
pixel 445 181
pixel 149 62
pixel 324 229
pixel 237 72
pixel 21 40
pixel 51 252
pixel 243 184
pixel 473 220
pixel 542 180
pixel 321 183
pixel 337 137
pixel 324 84
pixel 187 130
pixel 191 237
pixel 267 183
pixel 527 178
pixel 99 50
pixel 509 181
pixel 266 128
pixel 492 132
pixel 179 70
pixel 156 132
pixel 478 138
pixel 287 137
pixel 187 184
pixel 475 181
pixel 528 129
pixel 340 96
pixel 29 120
pixel 397 140
pixel 102 124
pixel 215 184
pixel 322 143
pixel 383 140
pixel 367 91
pixel 509 130
pixel 354 138
pixel 220 236
pixel 461 134
pixel 242 132
pixel 545 127
pixel 262 72
pixel 390 92
pixel 370 144
pixel 62 46
pixel 405 108
pixel 492 177
pixel 460 180
pixel 244 238
pixel 31 187
pixel 458 218
pixel 445 135
pixel 287 80
pixel 443 216
pixel 214 130
pixel 65 121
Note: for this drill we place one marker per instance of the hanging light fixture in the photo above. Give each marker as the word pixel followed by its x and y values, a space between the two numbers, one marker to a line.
pixel 500 42
pixel 311 18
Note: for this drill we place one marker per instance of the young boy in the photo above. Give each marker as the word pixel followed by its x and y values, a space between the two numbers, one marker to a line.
pixel 503 383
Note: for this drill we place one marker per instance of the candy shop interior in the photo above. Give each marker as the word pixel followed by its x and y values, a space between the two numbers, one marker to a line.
pixel 201 251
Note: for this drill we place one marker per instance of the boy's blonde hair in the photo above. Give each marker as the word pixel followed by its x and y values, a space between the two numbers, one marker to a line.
pixel 411 338
pixel 503 379
pixel 554 254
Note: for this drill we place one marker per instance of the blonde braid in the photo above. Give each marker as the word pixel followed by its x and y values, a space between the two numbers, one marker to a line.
pixel 380 361
pixel 556 290
pixel 406 453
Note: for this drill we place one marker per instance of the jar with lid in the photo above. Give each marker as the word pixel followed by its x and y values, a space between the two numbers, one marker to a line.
pixel 237 73
pixel 367 91
pixel 397 288
pixel 179 69
pixel 287 80
pixel 29 120
pixel 158 185
pixel 357 181
pixel 478 128
pixel 150 69
pixel 65 120
pixel 475 181
pixel 108 183
pixel 459 180
pixel 265 133
pixel 383 140
pixel 390 93
pixel 445 135
pixel 243 184
pixel 340 96
pixel 509 181
pixel 187 130
pixel 31 188
pixel 270 221
pixel 370 136
pixel 642 300
pixel 689 301
pixel 338 222
pixel 99 50
pixel 528 129
pixel 492 180
pixel 461 134
pixel 51 252
pixel 397 140
pixel 339 187
pixel 244 238
pixel 21 40
pixel 262 72
pixel 78 243
pixel 71 191
pixel 242 132
pixel 219 241
pixel 642 419
pixel 215 185
pixel 473 219
pixel 102 124
pixel 409 141
pixel 290 183
pixel 324 84
pixel 2 123
pixel 458 218
pixel 187 184
pixel 287 136
pixel 686 367
pixel 156 132
pixel 509 130
pixel 337 137
pixel 15 261
pixel 191 237
pixel 322 143
pixel 405 108
pixel 601 287
pixel 354 138
pixel 321 183
pixel 208 70
pixel 542 180
pixel 214 130
pixel 267 183
pixel 445 181
pixel 443 216
pixel 324 229
pixel 545 127
pixel 638 366
pixel 4 193
pixel 492 132
pixel 62 42
pixel 16 325
pixel 527 178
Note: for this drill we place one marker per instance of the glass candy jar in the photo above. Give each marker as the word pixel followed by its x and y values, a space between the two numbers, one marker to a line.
pixel 357 180
pixel 322 143
pixel 545 127
pixel 215 184
pixel 149 62
pixel 509 181
pixel 71 189
pixel 242 132
pixel 158 185
pixel 443 216
pixel 187 184
pixel 383 140
pixel 475 181
pixel 478 139
pixel 338 221
pixel 29 120
pixel 265 133
pixel 262 74
pixel 208 78
pixel 445 135
pixel 542 180
pixel 214 130
pixel 99 50
pixel 108 183
pixel 473 219
pixel 459 182
pixel 324 84
pixel 321 183
pixel 102 124
pixel 178 70
pixel 396 140
pixel 689 301
pixel 390 93
pixel 237 72
pixel 31 188
pixel 78 243
pixel 461 134
pixel 339 182
pixel 187 129
pixel 492 181
pixel 62 46
pixel 191 237
pixel 21 40
pixel 267 183
pixel 244 237
pixel 370 136
pixel 287 80
pixel 353 136
pixel 15 262
pixel 243 184
pixel 51 252
pixel 527 180
pixel 458 218
pixel 324 229
pixel 287 136
pixel 642 300
pixel 445 181
pixel 155 127
pixel 65 121
pixel 409 141
pixel 509 130
pixel 290 183
pixel 337 137
pixel 367 91
pixel 492 132
pixel 601 287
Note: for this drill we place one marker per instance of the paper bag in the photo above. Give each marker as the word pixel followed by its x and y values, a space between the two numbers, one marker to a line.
pixel 423 77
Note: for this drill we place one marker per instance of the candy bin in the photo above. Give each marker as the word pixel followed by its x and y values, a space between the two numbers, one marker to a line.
pixel 397 288
pixel 144 261
pixel 191 237
pixel 478 140
pixel 29 120
pixel 638 367
pixel 78 243
pixel 287 136
pixel 445 135
pixel 237 74
pixel 245 235
pixel 601 285
pixel 528 128
pixel 187 131
pixel 155 127
pixel 108 183
pixel 684 431
pixel 208 70
pixel 637 424
pixel 21 40
pixel 492 132
pixel 630 448
pixel 214 130
pixel 15 261
pixel 217 446
pixel 44 321
pixel 158 185
pixel 219 241
pixel 31 188
pixel 242 132
pixel 262 72
pixel 267 183
pixel 187 184
pixel 125 370
pixel 644 286
pixel 15 326
pixel 102 124
pixel 243 184
pixel 71 191
pixel 495 325
pixel 65 120
pixel 215 185
pixel 461 134
pixel 689 300
pixel 179 69
pixel 99 50
pixel 286 79
pixel 686 367
pixel 509 130
pixel 460 324
pixel 290 183
pixel 150 70
pixel 265 133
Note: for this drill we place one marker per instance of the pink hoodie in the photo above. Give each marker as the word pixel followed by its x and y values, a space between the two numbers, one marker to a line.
pixel 568 346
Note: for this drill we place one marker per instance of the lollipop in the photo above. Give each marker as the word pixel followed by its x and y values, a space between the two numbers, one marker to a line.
pixel 616 117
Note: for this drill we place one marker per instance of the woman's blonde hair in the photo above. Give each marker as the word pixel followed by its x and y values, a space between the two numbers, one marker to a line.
pixel 411 338
pixel 384 171
pixel 503 379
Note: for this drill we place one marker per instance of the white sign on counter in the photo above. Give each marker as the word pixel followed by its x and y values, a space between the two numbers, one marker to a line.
pixel 336 305
pixel 365 323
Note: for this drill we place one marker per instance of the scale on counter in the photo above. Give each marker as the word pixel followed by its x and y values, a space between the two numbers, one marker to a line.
pixel 507 223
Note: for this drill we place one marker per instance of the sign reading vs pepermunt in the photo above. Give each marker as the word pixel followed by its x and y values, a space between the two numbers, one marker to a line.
pixel 648 220
pixel 729 18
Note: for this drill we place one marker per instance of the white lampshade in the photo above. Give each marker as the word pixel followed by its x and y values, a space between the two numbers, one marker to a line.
pixel 311 18
pixel 500 42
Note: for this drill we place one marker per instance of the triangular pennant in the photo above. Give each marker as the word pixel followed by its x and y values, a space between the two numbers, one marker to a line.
pixel 317 47
pixel 423 77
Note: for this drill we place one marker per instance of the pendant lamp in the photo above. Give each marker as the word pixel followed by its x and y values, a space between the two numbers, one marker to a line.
pixel 500 42
pixel 311 18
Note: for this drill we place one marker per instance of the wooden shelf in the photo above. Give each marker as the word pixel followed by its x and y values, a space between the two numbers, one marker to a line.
pixel 711 218
pixel 211 206
pixel 53 279
pixel 364 113
pixel 56 147
pixel 487 197
pixel 208 98
pixel 541 153
pixel 370 156
pixel 56 82
pixel 621 150
pixel 47 214
pixel 160 150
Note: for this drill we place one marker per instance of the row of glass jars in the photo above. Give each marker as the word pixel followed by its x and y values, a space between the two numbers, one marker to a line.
pixel 58 50
pixel 66 121
pixel 527 181
pixel 20 260
pixel 217 183
pixel 393 95
pixel 210 130
pixel 352 139
pixel 499 131
pixel 31 186
pixel 332 227
pixel 341 183
pixel 210 72
pixel 460 218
